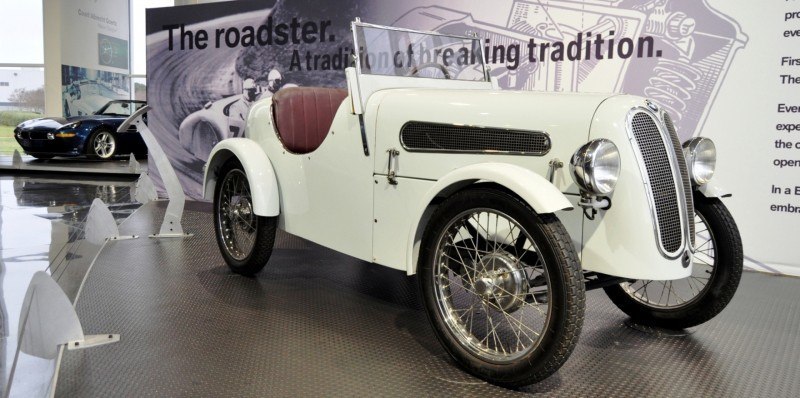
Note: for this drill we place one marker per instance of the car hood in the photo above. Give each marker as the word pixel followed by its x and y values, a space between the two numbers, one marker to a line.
pixel 566 118
pixel 55 123
pixel 523 110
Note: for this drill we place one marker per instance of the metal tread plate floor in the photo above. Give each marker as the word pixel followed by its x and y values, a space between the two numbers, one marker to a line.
pixel 319 323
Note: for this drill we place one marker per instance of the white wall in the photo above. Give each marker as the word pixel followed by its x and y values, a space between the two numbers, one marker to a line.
pixel 52 57
pixel 743 125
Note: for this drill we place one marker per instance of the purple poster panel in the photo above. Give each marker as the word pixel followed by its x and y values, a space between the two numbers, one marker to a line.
pixel 207 64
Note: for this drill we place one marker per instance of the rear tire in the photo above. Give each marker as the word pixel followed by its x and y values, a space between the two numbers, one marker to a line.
pixel 244 238
pixel 488 259
pixel 718 264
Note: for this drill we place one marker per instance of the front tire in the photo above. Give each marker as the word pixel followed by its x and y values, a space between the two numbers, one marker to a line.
pixel 244 238
pixel 102 145
pixel 501 286
pixel 683 303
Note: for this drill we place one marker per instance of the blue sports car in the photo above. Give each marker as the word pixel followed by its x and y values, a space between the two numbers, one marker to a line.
pixel 94 135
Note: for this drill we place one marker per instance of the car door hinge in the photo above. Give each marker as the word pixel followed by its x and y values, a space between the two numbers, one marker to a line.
pixel 392 174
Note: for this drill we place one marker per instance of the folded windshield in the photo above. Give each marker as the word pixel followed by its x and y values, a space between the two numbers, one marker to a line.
pixel 398 52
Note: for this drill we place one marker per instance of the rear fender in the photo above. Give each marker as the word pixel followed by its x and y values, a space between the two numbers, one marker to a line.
pixel 257 166
pixel 534 189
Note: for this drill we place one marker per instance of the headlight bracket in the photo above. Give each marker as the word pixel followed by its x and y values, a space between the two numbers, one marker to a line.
pixel 592 203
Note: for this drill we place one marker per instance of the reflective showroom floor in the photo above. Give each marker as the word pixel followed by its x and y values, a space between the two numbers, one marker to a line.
pixel 318 323
pixel 41 228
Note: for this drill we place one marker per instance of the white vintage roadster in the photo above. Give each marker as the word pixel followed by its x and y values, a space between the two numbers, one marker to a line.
pixel 423 165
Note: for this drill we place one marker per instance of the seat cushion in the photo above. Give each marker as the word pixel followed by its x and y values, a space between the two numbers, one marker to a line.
pixel 303 115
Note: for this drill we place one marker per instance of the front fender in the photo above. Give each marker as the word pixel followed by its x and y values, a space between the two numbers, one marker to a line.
pixel 257 167
pixel 711 190
pixel 534 189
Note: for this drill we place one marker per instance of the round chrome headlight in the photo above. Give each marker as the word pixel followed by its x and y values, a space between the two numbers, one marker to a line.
pixel 595 166
pixel 701 159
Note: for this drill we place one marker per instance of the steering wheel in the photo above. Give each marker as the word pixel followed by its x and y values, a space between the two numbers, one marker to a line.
pixel 415 69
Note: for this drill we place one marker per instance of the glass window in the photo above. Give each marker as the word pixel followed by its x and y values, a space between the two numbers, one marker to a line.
pixel 138 41
pixel 22 16
pixel 139 88
pixel 21 98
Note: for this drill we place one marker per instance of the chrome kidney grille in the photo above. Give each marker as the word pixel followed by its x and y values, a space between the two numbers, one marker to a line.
pixel 658 154
pixel 687 184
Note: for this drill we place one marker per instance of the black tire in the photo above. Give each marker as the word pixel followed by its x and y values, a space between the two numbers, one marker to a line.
pixel 723 246
pixel 102 145
pixel 558 286
pixel 231 233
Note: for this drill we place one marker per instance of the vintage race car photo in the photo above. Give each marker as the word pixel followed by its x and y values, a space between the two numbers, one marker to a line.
pixel 225 118
pixel 506 205
pixel 94 136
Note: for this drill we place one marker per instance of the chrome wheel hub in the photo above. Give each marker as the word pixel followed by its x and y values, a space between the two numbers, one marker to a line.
pixel 485 287
pixel 488 281
pixel 242 212
pixel 237 222
pixel 501 281
pixel 104 145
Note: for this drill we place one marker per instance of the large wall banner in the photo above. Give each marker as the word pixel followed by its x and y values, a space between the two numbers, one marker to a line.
pixel 85 91
pixel 94 54
pixel 714 65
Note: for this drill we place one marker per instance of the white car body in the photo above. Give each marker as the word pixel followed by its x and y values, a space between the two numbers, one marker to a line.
pixel 472 188
pixel 341 199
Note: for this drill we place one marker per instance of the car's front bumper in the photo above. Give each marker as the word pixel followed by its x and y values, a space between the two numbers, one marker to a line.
pixel 72 146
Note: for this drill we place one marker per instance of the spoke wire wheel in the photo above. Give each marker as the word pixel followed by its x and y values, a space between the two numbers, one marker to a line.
pixel 237 224
pixel 104 145
pixel 485 267
pixel 688 302
pixel 502 286
pixel 680 293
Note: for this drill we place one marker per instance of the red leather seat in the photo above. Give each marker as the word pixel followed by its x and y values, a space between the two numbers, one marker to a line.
pixel 303 115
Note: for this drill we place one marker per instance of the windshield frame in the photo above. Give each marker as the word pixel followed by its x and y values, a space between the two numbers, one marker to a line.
pixel 357 45
pixel 130 103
